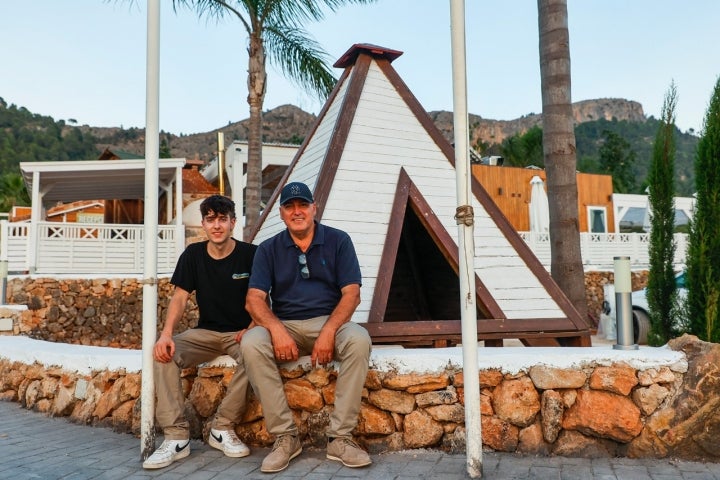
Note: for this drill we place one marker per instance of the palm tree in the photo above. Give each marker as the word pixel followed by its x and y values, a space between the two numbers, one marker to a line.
pixel 559 151
pixel 275 29
pixel 12 192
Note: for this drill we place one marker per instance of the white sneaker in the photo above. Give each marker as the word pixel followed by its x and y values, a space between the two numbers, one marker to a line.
pixel 167 453
pixel 228 442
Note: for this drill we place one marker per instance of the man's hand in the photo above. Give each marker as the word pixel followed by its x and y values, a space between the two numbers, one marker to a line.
pixel 324 348
pixel 239 335
pixel 257 305
pixel 285 348
pixel 164 349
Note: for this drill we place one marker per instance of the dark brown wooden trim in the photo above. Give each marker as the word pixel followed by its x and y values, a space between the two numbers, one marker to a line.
pixel 527 255
pixel 339 137
pixel 416 331
pixel 449 249
pixel 273 199
pixel 486 201
pixel 348 58
pixel 406 192
pixel 390 249
pixel 497 326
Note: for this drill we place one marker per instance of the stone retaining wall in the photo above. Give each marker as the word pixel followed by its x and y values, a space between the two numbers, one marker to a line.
pixel 596 410
pixel 108 312
pixel 100 312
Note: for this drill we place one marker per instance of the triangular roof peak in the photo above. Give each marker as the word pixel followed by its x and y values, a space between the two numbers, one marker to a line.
pixel 348 58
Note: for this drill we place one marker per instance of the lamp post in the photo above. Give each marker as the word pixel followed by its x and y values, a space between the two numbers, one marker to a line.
pixel 623 304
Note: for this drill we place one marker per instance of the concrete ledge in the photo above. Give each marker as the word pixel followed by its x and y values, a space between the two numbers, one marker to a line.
pixel 509 360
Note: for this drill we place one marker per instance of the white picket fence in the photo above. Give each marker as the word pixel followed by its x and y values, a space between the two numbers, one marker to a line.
pixel 599 249
pixel 86 248
pixel 90 248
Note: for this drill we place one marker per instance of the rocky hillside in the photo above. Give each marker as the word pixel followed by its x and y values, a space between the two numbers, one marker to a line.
pixel 495 131
pixel 284 124
pixel 290 124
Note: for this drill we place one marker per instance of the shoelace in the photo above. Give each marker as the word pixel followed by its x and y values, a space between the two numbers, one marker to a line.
pixel 281 441
pixel 348 441
pixel 164 447
pixel 232 436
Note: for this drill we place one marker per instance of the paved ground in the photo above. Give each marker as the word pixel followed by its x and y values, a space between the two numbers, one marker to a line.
pixel 34 446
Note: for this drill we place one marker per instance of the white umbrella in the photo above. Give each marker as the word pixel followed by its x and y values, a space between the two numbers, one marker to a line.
pixel 538 207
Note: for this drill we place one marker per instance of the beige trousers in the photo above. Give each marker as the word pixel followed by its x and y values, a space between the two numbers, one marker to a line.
pixel 193 347
pixel 352 352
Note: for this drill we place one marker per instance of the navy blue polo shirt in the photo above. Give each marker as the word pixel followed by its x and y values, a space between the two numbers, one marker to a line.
pixel 332 263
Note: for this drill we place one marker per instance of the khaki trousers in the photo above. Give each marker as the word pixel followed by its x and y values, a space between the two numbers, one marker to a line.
pixel 193 347
pixel 352 352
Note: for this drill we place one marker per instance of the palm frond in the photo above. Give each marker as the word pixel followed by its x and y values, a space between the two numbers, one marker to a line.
pixel 300 57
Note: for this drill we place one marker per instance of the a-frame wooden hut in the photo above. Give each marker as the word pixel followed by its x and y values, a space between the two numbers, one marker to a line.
pixel 381 171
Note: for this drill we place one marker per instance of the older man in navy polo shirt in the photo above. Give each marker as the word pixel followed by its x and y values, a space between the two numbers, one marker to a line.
pixel 312 274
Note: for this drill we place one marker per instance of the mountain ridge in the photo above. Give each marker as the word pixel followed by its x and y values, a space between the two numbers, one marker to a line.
pixel 290 124
pixel 31 137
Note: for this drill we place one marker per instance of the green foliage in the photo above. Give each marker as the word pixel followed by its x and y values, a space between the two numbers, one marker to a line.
pixel 164 149
pixel 279 29
pixel 28 137
pixel 12 192
pixel 275 32
pixel 617 159
pixel 296 139
pixel 703 262
pixel 661 289
pixel 640 135
pixel 523 150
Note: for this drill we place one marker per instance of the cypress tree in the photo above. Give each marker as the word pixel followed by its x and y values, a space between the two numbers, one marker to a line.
pixel 661 289
pixel 703 264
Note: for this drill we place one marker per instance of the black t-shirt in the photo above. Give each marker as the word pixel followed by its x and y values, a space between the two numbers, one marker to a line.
pixel 220 285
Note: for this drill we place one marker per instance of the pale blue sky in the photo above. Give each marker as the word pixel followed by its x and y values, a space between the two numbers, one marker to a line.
pixel 85 59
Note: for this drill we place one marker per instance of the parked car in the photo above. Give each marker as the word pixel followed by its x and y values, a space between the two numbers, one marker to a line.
pixel 641 309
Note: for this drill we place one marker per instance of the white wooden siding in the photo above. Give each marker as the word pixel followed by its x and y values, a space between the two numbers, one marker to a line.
pixel 308 167
pixel 385 136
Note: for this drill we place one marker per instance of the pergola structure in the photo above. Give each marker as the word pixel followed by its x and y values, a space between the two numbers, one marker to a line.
pixel 69 181
pixel 50 183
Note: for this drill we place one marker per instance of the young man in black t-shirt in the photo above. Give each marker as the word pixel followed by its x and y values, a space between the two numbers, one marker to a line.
pixel 217 270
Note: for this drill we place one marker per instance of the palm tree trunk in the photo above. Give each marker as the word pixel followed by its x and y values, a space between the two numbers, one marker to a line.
pixel 559 152
pixel 256 96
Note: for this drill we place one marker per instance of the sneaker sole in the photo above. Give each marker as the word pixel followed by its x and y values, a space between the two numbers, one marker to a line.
pixel 152 466
pixel 275 470
pixel 338 459
pixel 215 444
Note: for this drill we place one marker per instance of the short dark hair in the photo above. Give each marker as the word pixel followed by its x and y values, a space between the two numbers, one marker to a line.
pixel 219 205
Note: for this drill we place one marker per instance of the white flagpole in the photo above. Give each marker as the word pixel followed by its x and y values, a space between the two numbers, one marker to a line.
pixel 466 270
pixel 150 295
